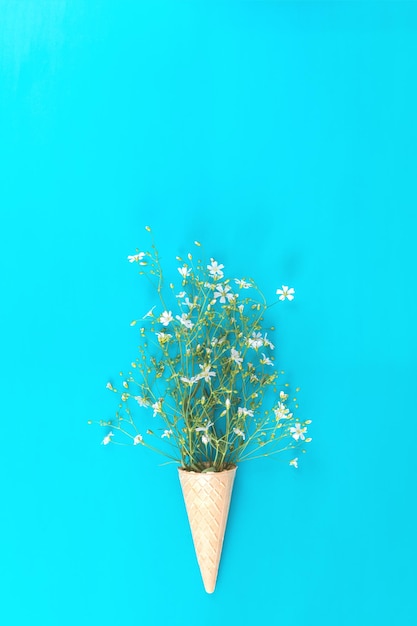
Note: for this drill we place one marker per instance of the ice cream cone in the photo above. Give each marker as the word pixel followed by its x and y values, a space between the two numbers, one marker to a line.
pixel 207 499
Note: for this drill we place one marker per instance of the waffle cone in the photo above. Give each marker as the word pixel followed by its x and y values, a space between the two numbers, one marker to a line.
pixel 207 499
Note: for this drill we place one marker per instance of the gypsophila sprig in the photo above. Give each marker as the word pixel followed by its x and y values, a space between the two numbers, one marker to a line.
pixel 204 389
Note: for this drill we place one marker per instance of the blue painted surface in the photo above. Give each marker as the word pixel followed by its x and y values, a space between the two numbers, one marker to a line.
pixel 282 135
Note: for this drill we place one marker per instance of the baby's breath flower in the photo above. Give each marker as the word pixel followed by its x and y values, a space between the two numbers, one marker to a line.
pixel 141 401
pixel 256 340
pixel 242 283
pixel 166 318
pixel 205 373
pixel 204 429
pixel 244 412
pixel 136 257
pixel 265 360
pixel 107 439
pixel 281 412
pixel 239 433
pixel 184 271
pixel 297 432
pixel 215 269
pixel 157 407
pixel 235 356
pixel 163 337
pixel 222 292
pixel 185 320
pixel 215 406
pixel 285 292
pixel 189 381
pixel 191 305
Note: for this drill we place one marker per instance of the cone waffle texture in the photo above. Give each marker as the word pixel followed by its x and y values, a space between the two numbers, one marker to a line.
pixel 207 499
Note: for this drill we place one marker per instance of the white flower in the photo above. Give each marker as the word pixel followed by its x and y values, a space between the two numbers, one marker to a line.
pixel 227 403
pixel 109 386
pixel 184 271
pixel 265 360
pixel 191 305
pixel 206 373
pixel 107 439
pixel 285 292
pixel 283 395
pixel 241 307
pixel 204 429
pixel 298 432
pixel 235 356
pixel 239 433
pixel 268 343
pixel 163 337
pixel 185 321
pixel 190 381
pixel 149 313
pixel 167 433
pixel 242 283
pixel 294 462
pixel 215 269
pixel 181 294
pixel 256 341
pixel 282 413
pixel 136 257
pixel 157 407
pixel 222 292
pixel 166 318
pixel 141 401
pixel 243 411
pixel 137 440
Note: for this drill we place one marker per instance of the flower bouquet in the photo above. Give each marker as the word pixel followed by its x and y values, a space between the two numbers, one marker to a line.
pixel 203 389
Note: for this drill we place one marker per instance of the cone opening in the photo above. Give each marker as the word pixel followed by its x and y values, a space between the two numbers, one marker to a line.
pixel 208 470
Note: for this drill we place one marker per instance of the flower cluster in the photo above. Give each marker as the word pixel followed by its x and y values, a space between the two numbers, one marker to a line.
pixel 205 371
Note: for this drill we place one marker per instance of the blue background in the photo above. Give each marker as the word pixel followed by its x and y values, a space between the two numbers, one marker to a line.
pixel 283 136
